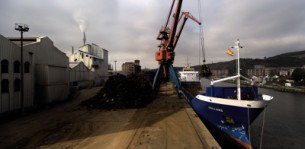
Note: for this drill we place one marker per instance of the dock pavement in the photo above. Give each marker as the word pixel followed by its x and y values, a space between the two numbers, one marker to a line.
pixel 167 123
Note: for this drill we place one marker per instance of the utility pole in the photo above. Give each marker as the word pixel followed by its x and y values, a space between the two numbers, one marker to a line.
pixel 22 28
pixel 115 66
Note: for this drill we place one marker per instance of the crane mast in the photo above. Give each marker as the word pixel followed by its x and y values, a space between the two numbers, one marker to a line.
pixel 169 38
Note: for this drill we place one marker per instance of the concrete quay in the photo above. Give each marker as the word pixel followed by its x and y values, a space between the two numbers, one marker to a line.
pixel 167 123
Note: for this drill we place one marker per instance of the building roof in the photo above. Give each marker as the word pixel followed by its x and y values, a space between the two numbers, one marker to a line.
pixel 73 64
pixel 26 40
pixel 94 56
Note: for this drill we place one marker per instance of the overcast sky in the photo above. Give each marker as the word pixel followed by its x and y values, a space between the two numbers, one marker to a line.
pixel 128 28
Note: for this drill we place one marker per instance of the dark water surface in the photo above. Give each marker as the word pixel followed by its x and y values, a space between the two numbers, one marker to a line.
pixel 284 121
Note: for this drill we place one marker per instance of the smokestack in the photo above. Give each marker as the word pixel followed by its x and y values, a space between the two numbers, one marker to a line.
pixel 72 50
pixel 84 38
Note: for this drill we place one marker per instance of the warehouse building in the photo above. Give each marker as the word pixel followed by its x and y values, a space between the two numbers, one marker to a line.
pixel 10 77
pixel 46 73
pixel 80 76
pixel 51 71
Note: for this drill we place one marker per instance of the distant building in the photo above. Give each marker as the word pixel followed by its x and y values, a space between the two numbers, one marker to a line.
pixel 45 73
pixel 131 67
pixel 261 71
pixel 220 73
pixel 95 59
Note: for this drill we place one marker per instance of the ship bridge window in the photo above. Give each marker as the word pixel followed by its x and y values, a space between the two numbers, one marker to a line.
pixel 4 66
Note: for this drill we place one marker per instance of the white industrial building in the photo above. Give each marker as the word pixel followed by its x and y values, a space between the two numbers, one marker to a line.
pixel 95 59
pixel 51 70
pixel 80 75
pixel 10 77
pixel 46 73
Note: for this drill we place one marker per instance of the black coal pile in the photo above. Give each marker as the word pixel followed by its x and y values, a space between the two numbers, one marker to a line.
pixel 119 92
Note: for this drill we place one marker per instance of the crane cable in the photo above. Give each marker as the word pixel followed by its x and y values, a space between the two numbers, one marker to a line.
pixel 205 70
pixel 201 37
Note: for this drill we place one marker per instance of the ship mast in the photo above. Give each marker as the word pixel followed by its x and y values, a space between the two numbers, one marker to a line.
pixel 237 47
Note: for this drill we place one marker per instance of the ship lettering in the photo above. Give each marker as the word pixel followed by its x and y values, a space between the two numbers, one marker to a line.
pixel 215 109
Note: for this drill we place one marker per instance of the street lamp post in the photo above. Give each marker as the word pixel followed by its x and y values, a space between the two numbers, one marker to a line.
pixel 22 28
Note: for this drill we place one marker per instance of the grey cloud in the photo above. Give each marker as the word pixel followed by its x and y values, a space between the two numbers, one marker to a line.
pixel 128 28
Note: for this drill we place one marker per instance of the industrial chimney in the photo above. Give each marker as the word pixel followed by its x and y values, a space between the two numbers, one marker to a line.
pixel 84 38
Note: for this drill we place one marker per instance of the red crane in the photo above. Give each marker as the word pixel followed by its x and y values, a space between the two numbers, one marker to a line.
pixel 169 38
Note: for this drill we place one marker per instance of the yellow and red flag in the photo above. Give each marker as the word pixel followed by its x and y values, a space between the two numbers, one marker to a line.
pixel 230 52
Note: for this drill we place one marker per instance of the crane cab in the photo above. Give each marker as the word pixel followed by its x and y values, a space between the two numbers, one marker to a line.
pixel 163 56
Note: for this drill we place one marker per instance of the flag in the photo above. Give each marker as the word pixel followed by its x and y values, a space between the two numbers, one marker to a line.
pixel 230 52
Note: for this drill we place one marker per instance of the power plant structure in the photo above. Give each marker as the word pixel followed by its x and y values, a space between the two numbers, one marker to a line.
pixel 84 38
pixel 94 57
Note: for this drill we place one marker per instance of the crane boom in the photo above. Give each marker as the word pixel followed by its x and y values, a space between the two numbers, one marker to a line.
pixel 169 38
pixel 186 15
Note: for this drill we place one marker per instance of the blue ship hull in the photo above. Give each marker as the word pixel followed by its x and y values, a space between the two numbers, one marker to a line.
pixel 228 116
pixel 231 120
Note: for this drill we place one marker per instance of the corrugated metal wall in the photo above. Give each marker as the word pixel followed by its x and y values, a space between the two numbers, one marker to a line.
pixel 82 75
pixel 51 72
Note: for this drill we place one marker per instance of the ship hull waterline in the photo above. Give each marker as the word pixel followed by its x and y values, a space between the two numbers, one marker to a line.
pixel 231 117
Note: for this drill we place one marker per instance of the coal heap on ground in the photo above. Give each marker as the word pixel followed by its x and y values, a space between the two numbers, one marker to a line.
pixel 119 92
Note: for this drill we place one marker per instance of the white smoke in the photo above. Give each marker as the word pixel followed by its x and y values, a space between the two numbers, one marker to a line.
pixel 81 19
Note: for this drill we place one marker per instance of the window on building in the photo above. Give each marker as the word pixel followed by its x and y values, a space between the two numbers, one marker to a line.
pixel 26 67
pixel 4 66
pixel 17 85
pixel 4 86
pixel 16 67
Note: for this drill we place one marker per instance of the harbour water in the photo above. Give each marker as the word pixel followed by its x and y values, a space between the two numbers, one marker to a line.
pixel 284 122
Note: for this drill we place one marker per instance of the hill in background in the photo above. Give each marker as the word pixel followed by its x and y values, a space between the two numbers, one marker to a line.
pixel 291 59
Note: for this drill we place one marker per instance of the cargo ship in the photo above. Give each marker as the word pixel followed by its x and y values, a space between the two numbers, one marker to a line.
pixel 189 79
pixel 231 110
pixel 188 75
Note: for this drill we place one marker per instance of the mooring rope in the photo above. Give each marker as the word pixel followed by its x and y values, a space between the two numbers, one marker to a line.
pixel 249 128
pixel 262 131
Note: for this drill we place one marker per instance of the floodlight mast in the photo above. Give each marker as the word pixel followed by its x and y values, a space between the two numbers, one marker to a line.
pixel 22 28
